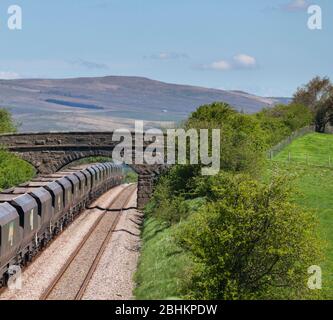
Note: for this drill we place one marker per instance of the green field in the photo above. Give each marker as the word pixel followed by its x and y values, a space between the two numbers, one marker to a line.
pixel 312 149
pixel 315 186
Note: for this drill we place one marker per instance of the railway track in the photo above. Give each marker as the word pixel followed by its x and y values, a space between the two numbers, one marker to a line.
pixel 74 277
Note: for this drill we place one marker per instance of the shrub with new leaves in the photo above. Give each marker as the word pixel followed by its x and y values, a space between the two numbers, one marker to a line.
pixel 243 141
pixel 6 122
pixel 13 170
pixel 280 121
pixel 250 241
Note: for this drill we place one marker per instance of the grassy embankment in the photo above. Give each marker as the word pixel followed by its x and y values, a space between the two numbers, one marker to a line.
pixel 163 265
pixel 13 170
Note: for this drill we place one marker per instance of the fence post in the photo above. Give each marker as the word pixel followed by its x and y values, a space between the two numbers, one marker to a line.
pixel 293 136
pixel 289 156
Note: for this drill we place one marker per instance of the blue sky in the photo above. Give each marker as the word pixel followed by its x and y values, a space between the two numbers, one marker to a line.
pixel 259 46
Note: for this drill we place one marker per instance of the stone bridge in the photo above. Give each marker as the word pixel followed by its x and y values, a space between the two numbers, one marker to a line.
pixel 50 152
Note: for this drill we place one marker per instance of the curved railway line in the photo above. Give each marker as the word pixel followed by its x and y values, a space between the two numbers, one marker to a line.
pixel 74 277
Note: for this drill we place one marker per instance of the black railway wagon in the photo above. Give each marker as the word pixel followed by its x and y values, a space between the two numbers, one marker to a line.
pixel 27 209
pixel 45 208
pixel 79 180
pixel 10 238
pixel 95 178
pixel 32 213
pixel 66 196
pixel 73 179
pixel 56 193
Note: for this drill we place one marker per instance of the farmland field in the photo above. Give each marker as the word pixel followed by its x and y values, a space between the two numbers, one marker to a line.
pixel 314 182
pixel 312 149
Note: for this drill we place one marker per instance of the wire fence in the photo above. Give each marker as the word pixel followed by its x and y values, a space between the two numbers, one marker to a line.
pixel 297 134
pixel 321 160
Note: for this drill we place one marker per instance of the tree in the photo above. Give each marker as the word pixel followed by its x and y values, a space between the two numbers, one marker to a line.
pixel 317 95
pixel 248 242
pixel 243 141
pixel 293 116
pixel 13 170
pixel 7 124
pixel 281 120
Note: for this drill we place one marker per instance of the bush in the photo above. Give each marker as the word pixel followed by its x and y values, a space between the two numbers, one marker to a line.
pixel 279 122
pixel 6 122
pixel 248 242
pixel 243 141
pixel 13 170
pixel 130 176
pixel 166 208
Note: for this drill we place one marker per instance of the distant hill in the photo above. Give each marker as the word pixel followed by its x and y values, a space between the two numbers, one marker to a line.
pixel 282 100
pixel 107 102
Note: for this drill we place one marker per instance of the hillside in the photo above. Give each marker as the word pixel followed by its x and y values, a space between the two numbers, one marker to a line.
pixel 108 102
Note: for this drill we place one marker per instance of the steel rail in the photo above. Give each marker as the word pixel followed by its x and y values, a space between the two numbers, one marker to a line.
pixel 75 253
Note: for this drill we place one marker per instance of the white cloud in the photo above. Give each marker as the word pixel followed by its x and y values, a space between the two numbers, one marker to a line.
pixel 163 55
pixel 244 60
pixel 295 5
pixel 239 61
pixel 168 56
pixel 221 65
pixel 8 75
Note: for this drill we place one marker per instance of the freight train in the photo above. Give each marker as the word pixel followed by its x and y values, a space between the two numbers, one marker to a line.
pixel 32 214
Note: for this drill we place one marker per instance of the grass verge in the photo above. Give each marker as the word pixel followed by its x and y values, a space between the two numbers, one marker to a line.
pixel 162 264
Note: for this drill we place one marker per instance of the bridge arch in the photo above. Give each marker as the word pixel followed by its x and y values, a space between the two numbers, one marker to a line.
pixel 52 161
